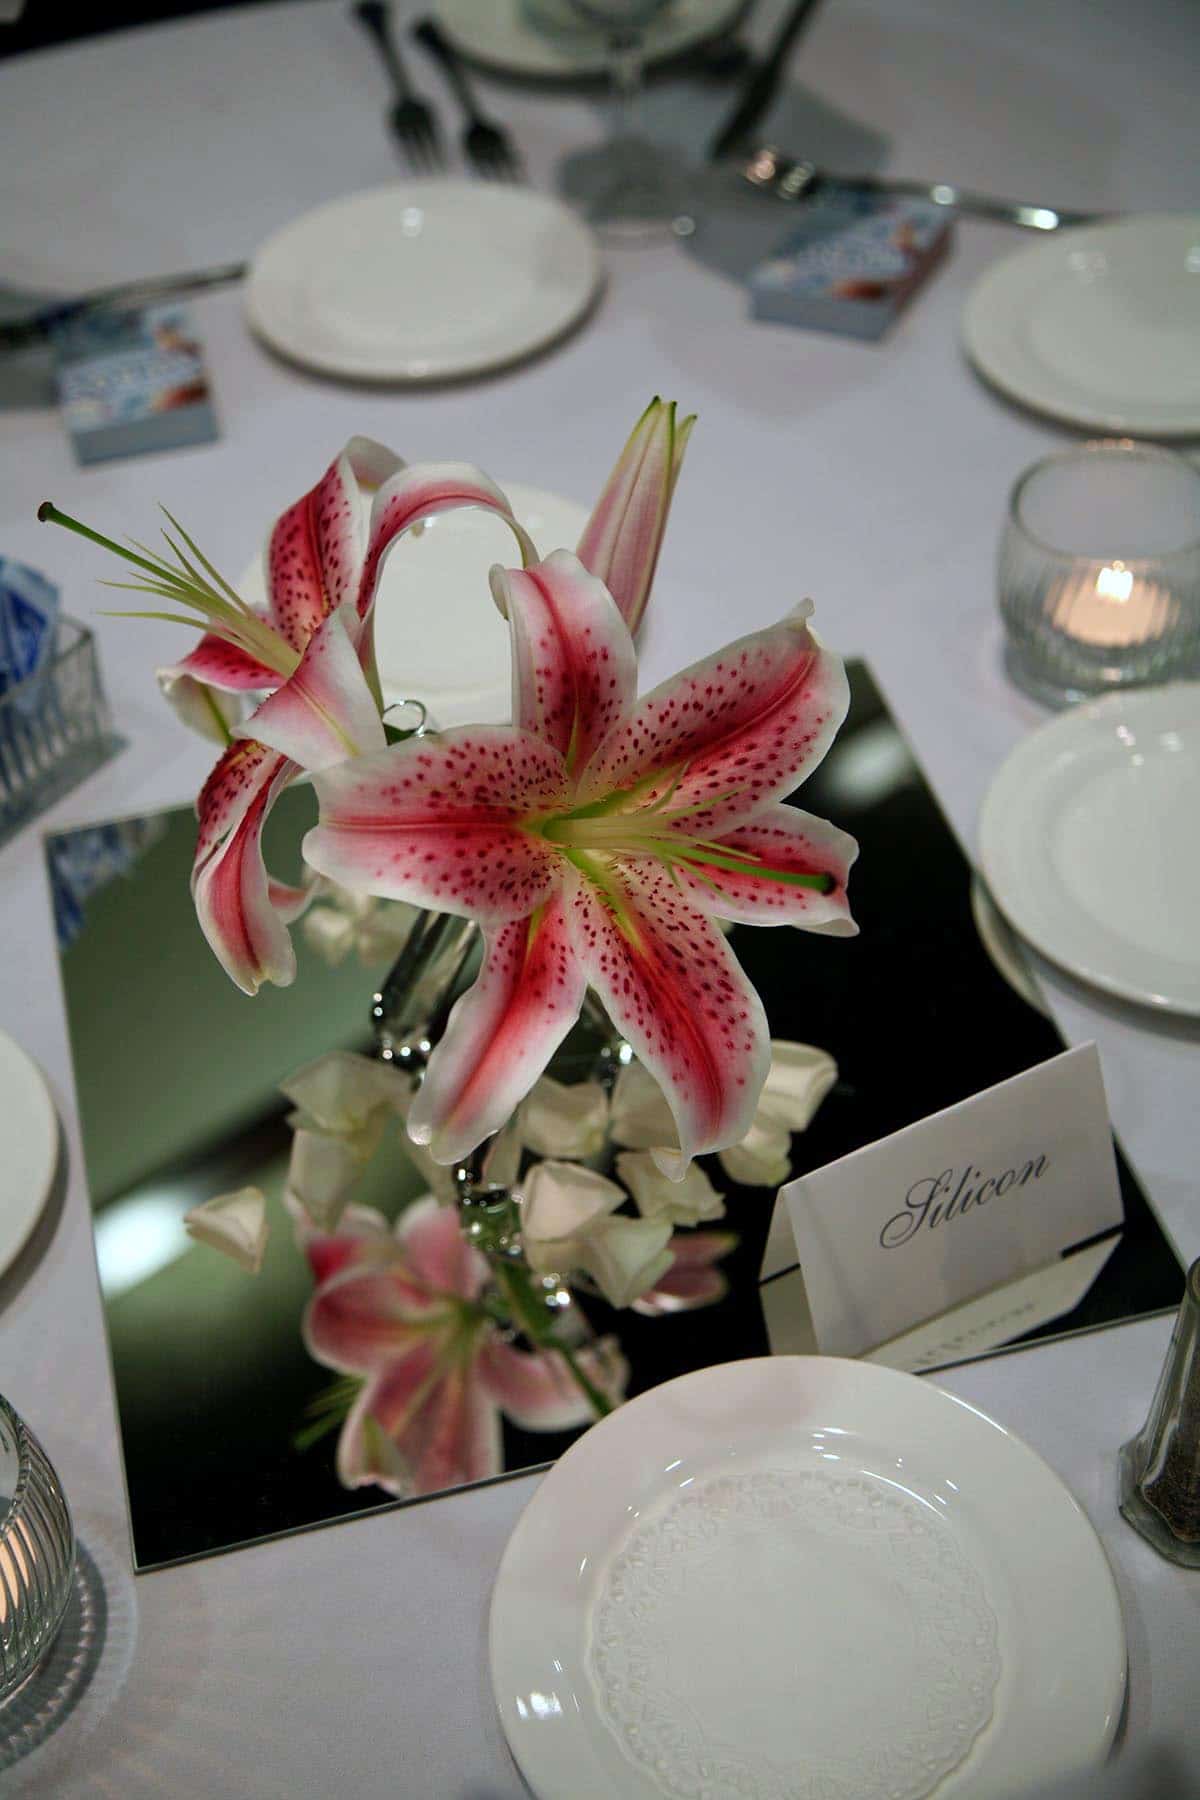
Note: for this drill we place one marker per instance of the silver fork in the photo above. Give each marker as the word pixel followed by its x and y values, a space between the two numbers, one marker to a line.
pixel 412 119
pixel 486 145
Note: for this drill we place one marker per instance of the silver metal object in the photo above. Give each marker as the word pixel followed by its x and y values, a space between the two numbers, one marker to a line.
pixel 32 327
pixel 792 179
pixel 37 1554
pixel 411 119
pixel 487 146
pixel 1160 1467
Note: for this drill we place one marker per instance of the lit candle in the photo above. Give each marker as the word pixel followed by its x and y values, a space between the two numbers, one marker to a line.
pixel 18 1560
pixel 1107 605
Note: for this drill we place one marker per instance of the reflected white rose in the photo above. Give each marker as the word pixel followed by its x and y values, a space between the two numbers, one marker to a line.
pixel 568 1223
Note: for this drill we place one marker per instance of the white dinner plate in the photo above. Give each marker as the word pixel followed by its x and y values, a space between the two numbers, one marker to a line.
pixel 1099 325
pixel 438 636
pixel 29 1135
pixel 1090 845
pixel 1003 946
pixel 541 39
pixel 423 281
pixel 796 1577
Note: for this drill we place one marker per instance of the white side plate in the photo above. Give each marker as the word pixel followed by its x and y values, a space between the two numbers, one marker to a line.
pixel 438 636
pixel 1098 325
pixel 504 35
pixel 423 281
pixel 801 1576
pixel 1089 843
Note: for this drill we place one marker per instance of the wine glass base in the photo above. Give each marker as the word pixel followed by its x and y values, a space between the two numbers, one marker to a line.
pixel 625 189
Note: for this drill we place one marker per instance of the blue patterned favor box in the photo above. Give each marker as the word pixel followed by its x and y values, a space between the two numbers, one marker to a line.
pixel 131 382
pixel 851 264
pixel 28 619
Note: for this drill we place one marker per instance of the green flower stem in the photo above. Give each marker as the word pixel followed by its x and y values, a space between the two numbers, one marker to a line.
pixel 530 1314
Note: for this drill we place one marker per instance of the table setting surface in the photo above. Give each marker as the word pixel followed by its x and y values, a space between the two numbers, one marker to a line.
pixel 870 477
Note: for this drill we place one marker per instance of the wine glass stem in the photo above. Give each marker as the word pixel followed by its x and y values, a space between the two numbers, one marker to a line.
pixel 627 62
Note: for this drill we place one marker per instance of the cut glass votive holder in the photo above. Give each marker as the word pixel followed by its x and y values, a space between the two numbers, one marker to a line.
pixel 1099 571
pixel 37 1554
pixel 54 729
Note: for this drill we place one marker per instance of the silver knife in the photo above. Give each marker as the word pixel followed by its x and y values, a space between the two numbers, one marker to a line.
pixel 33 327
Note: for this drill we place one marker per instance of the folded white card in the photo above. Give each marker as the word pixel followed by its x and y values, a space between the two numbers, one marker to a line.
pixel 953 1207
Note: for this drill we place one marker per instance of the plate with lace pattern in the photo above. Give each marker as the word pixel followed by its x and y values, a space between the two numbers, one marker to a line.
pixel 803 1578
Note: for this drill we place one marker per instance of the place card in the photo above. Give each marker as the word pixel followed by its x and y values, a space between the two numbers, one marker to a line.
pixel 964 1218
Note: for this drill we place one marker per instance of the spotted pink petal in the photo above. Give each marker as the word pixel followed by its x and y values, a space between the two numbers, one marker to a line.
pixel 574 665
pixel 500 1035
pixel 230 885
pixel 419 493
pixel 220 664
pixel 417 1429
pixel 436 1252
pixel 691 1280
pixel 316 549
pixel 324 711
pixel 784 839
pixel 621 540
pixel 436 821
pixel 744 726
pixel 370 1314
pixel 672 985
pixel 536 1390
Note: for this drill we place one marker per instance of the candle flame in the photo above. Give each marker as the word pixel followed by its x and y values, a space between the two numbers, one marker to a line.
pixel 1114 582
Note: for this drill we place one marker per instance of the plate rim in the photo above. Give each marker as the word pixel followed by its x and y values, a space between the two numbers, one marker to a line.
pixel 993 358
pixel 785 1370
pixel 1066 725
pixel 14 1056
pixel 453 190
pixel 727 14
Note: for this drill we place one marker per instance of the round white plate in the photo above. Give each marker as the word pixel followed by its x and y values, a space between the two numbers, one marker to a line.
pixel 423 281
pixel 29 1134
pixel 438 636
pixel 801 1576
pixel 505 36
pixel 1088 841
pixel 1098 325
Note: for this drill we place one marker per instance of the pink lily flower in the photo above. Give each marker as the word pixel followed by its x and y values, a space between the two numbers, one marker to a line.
pixel 621 540
pixel 692 1280
pixel 400 1310
pixel 312 654
pixel 596 840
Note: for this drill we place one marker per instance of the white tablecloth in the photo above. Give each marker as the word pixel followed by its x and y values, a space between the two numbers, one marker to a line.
pixel 873 477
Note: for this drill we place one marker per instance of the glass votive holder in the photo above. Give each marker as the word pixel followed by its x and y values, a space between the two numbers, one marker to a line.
pixel 37 1554
pixel 1160 1467
pixel 1099 571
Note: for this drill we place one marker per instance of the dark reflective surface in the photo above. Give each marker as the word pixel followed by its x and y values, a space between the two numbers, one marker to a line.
pixel 176 1077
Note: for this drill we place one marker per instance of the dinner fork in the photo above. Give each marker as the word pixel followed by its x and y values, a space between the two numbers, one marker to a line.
pixel 487 147
pixel 412 119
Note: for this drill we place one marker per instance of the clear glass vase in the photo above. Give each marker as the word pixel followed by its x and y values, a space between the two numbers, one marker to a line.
pixel 1160 1467
pixel 37 1553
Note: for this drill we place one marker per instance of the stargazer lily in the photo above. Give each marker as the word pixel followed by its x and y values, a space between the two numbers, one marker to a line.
pixel 311 652
pixel 622 539
pixel 596 839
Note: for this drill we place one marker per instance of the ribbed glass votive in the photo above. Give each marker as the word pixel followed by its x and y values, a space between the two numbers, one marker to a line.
pixel 37 1553
pixel 1099 571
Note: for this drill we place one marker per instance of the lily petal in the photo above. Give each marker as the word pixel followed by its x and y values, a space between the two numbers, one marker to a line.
pixel 437 822
pixel 370 1315
pixel 324 712
pixel 500 1034
pixel 785 840
pixel 673 987
pixel 419 493
pixel 561 1204
pixel 537 1391
pixel 764 1156
pixel 230 885
pixel 640 1115
pixel 418 1429
pixel 316 550
pixel 202 687
pixel 799 1079
pixel 621 540
pixel 684 1202
pixel 235 1224
pixel 362 1235
pixel 625 1257
pixel 574 665
pixel 324 1167
pixel 437 1253
pixel 691 1280
pixel 561 1120
pixel 731 734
